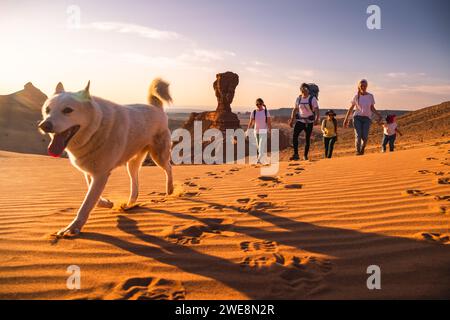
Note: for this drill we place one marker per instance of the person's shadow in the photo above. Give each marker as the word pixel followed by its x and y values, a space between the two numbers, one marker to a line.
pixel 409 268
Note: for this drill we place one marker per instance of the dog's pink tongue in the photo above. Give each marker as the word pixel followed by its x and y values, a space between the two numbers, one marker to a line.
pixel 56 146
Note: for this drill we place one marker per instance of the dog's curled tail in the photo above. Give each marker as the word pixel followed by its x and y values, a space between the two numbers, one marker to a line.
pixel 158 93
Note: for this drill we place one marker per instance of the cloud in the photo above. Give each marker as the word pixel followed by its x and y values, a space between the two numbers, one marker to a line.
pixel 259 63
pixel 154 61
pixel 396 75
pixel 204 55
pixel 135 29
pixel 301 75
pixel 437 89
pixel 189 60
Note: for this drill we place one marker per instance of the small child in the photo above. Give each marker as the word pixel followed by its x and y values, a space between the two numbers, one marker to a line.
pixel 390 130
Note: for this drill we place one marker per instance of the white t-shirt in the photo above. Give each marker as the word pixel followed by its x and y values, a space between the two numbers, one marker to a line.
pixel 363 106
pixel 260 120
pixel 389 128
pixel 304 108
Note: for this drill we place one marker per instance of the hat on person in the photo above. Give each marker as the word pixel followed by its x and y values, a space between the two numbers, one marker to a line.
pixel 330 112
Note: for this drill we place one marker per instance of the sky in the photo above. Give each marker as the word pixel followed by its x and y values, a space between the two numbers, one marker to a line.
pixel 274 46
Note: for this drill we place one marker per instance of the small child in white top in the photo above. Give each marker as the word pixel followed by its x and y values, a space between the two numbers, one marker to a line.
pixel 390 130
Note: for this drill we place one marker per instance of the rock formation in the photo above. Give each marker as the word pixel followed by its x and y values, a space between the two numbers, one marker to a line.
pixel 19 115
pixel 223 118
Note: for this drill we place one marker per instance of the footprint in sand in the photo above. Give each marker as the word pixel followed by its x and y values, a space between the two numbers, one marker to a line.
pixel 197 209
pixel 243 200
pixel 148 289
pixel 289 174
pixel 269 181
pixel 442 198
pixel 444 181
pixel 291 275
pixel 262 196
pixel 255 205
pixel 192 233
pixel 190 194
pixel 293 186
pixel 438 173
pixel 264 246
pixel 296 164
pixel 217 207
pixel 432 158
pixel 416 193
pixel 65 210
pixel 434 237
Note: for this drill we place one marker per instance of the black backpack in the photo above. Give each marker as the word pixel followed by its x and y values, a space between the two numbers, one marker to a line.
pixel 265 113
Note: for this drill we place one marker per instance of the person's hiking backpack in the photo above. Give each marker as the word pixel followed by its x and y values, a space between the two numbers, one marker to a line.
pixel 265 113
pixel 313 92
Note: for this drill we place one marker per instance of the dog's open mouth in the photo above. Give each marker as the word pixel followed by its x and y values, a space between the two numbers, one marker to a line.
pixel 61 140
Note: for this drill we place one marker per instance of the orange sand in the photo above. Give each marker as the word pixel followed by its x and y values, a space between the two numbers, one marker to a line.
pixel 228 235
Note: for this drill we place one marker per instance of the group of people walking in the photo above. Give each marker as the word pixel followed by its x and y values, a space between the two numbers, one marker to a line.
pixel 305 116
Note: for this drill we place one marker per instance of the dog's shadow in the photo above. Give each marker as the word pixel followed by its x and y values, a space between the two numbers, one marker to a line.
pixel 183 257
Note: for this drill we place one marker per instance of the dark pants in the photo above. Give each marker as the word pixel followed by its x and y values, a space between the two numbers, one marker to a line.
pixel 299 127
pixel 388 139
pixel 329 146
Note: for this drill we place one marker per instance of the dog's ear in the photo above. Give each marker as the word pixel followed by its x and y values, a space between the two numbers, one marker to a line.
pixel 86 94
pixel 59 88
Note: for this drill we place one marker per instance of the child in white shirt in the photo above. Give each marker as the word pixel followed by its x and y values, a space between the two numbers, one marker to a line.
pixel 390 130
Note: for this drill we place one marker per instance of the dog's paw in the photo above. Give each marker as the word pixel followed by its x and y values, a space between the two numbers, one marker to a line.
pixel 67 233
pixel 105 203
pixel 70 231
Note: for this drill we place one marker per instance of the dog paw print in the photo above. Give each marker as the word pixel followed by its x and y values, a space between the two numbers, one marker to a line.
pixel 262 246
pixel 148 289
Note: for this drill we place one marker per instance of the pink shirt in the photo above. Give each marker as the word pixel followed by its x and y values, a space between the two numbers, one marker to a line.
pixel 390 128
pixel 260 120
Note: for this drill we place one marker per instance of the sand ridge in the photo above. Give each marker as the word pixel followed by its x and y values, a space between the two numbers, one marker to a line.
pixel 310 232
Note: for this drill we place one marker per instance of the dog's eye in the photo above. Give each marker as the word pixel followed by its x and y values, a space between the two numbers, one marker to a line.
pixel 47 110
pixel 67 110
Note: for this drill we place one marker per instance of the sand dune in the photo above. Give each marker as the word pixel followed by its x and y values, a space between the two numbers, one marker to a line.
pixel 308 233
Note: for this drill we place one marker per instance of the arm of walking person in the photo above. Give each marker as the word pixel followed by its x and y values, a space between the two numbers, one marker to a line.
pixel 347 116
pixel 293 114
pixel 315 104
pixel 336 132
pixel 322 127
pixel 269 123
pixel 372 107
pixel 251 123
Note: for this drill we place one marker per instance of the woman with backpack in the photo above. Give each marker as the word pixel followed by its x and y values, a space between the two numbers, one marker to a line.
pixel 329 130
pixel 303 118
pixel 363 105
pixel 260 120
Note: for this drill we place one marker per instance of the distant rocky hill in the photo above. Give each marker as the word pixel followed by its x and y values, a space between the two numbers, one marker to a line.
pixel 19 114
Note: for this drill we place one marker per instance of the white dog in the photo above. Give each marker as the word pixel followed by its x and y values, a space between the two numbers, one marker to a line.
pixel 100 135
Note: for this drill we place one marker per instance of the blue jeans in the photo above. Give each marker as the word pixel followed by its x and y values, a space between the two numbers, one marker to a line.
pixel 362 126
pixel 388 139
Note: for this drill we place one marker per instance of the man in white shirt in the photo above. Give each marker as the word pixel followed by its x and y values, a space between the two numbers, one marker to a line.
pixel 261 121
